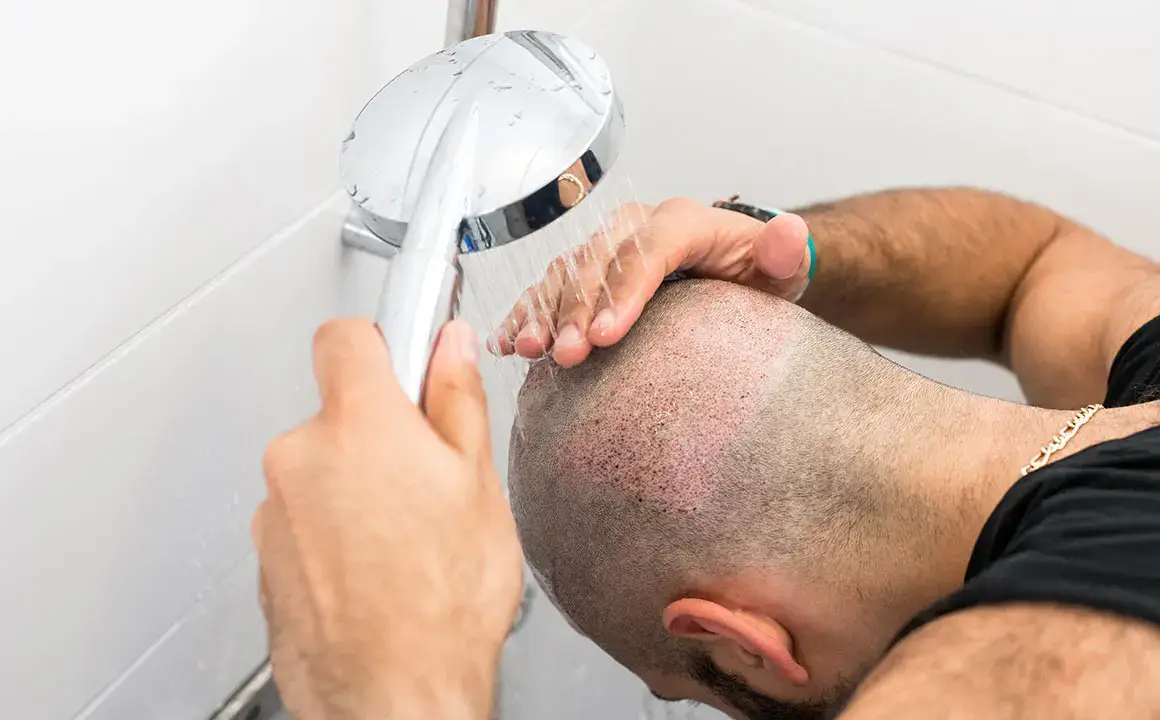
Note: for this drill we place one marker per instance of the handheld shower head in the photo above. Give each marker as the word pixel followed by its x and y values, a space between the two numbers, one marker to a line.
pixel 471 148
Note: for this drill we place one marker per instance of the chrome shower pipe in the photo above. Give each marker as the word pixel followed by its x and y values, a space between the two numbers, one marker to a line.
pixel 470 18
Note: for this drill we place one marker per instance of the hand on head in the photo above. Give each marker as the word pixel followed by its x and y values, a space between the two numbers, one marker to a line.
pixel 615 274
pixel 390 567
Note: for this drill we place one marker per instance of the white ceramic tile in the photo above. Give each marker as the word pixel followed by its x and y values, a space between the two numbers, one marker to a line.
pixel 200 661
pixel 125 504
pixel 146 146
pixel 1093 57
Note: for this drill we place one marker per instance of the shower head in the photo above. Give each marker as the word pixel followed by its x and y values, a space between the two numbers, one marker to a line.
pixel 549 127
pixel 471 148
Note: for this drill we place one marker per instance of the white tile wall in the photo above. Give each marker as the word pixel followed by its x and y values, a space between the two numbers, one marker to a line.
pixel 146 147
pixel 1089 57
pixel 168 244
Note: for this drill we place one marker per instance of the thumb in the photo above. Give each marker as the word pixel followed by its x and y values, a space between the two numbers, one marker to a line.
pixel 780 247
pixel 454 399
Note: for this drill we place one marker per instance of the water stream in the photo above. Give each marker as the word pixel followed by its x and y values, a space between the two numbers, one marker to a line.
pixel 496 280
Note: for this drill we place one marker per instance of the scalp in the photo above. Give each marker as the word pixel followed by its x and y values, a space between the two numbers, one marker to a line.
pixel 714 439
pixel 677 392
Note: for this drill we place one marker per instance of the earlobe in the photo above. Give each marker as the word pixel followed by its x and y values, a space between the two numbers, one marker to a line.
pixel 761 640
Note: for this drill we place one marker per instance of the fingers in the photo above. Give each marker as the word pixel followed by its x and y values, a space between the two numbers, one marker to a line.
pixel 781 254
pixel 352 368
pixel 780 247
pixel 533 333
pixel 578 299
pixel 568 294
pixel 672 236
pixel 633 278
pixel 455 402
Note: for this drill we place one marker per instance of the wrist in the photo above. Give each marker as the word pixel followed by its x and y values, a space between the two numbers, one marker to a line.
pixel 452 686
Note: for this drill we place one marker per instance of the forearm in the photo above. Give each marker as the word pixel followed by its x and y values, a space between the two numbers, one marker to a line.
pixel 1030 661
pixel 926 271
pixel 968 273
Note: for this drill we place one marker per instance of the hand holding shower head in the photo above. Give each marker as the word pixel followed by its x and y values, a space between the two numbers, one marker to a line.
pixel 477 146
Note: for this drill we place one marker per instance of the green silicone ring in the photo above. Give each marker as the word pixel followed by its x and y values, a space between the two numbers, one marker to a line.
pixel 813 257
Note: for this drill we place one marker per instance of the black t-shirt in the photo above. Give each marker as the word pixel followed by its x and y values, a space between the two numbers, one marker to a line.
pixel 1084 530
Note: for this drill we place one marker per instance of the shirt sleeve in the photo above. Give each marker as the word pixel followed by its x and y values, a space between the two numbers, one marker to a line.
pixel 1135 374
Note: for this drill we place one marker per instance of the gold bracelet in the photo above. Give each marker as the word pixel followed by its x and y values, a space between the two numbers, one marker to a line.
pixel 1057 442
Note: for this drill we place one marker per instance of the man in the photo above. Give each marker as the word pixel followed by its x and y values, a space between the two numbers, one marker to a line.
pixel 744 504
pixel 389 570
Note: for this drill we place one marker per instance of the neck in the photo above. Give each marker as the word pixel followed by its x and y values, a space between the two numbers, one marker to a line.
pixel 955 458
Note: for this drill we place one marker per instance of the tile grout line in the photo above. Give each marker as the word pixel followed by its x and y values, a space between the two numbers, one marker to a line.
pixel 58 396
pixel 185 616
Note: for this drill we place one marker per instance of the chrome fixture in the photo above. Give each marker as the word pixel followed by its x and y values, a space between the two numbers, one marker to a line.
pixel 474 147
pixel 470 18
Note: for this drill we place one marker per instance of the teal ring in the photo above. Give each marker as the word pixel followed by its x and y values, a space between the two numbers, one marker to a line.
pixel 813 257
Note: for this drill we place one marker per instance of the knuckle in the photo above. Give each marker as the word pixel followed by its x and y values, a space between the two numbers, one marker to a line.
pixel 679 205
pixel 256 526
pixel 467 383
pixel 557 267
pixel 633 210
pixel 335 331
pixel 279 461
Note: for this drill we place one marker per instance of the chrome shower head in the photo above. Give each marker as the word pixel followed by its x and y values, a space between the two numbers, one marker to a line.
pixel 472 148
pixel 550 125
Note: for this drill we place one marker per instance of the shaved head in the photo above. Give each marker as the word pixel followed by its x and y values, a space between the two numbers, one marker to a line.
pixel 714 442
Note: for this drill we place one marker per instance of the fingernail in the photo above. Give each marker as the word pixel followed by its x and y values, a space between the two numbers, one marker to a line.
pixel 463 342
pixel 528 333
pixel 569 335
pixel 604 320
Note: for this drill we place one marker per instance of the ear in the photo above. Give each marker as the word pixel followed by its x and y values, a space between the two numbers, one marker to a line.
pixel 756 641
